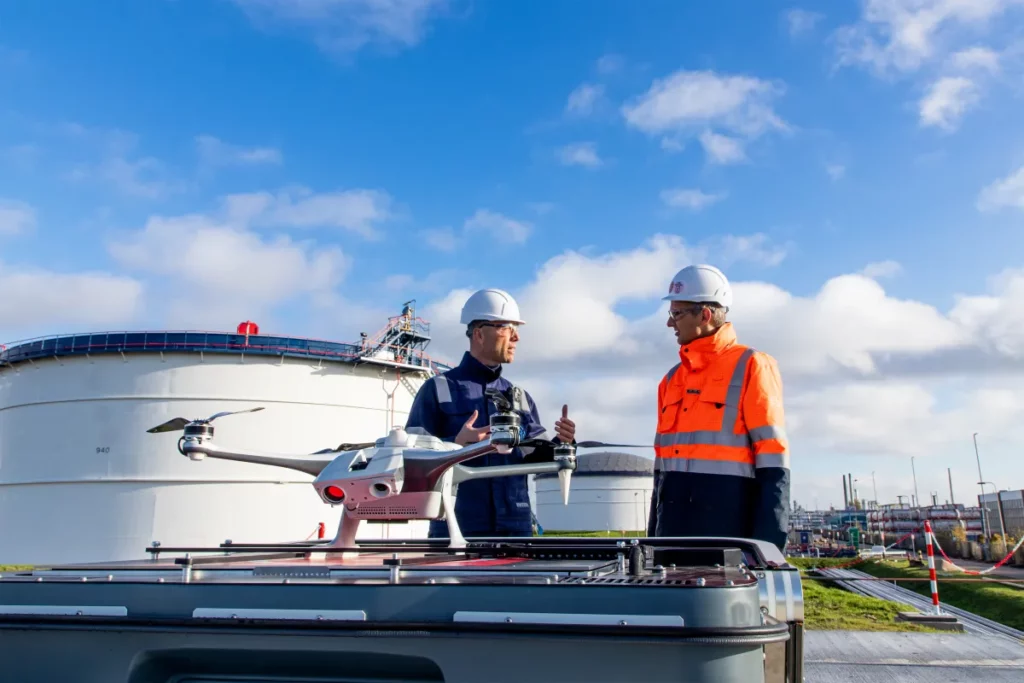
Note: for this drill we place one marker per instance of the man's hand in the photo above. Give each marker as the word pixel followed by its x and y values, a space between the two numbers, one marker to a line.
pixel 470 434
pixel 565 429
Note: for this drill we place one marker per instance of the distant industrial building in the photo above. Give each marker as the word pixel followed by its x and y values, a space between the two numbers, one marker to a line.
pixel 608 492
pixel 1004 511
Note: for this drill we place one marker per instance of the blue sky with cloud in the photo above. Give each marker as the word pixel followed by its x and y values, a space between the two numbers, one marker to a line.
pixel 856 167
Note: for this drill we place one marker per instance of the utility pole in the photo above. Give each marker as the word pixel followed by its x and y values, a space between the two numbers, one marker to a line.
pixel 917 496
pixel 984 521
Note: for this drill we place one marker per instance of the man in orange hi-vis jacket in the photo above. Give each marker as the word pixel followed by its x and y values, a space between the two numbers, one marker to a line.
pixel 721 453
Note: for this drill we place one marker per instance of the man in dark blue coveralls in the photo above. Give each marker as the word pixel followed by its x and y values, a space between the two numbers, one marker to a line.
pixel 453 406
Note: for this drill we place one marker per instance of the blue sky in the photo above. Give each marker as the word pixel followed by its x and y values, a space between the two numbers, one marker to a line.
pixel 377 151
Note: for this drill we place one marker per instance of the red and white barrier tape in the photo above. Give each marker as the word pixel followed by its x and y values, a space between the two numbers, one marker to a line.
pixel 983 571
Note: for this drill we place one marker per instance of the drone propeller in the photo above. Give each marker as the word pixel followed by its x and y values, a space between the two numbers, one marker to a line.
pixel 585 444
pixel 355 446
pixel 499 399
pixel 178 423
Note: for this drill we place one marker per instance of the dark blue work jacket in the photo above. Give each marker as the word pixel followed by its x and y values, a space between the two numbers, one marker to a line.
pixel 498 506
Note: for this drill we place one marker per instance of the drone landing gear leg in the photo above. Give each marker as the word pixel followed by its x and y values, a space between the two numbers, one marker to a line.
pixel 456 539
pixel 345 536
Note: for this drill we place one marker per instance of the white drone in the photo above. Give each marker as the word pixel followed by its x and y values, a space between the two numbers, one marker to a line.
pixel 402 476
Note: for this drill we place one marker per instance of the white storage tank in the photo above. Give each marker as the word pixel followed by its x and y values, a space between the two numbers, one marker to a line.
pixel 608 492
pixel 81 480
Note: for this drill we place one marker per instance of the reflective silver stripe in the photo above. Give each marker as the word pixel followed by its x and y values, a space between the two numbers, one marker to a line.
pixel 444 394
pixel 698 466
pixel 732 397
pixel 773 460
pixel 767 432
pixel 701 438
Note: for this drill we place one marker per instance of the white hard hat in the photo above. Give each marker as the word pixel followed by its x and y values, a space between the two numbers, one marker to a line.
pixel 491 304
pixel 700 284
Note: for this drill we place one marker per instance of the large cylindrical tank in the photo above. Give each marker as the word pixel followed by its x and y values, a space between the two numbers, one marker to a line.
pixel 608 492
pixel 81 480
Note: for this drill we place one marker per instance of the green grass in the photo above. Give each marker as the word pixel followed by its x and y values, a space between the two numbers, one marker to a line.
pixel 14 567
pixel 824 562
pixel 997 602
pixel 829 608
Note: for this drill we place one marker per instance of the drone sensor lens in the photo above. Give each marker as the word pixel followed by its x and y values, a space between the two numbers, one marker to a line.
pixel 334 494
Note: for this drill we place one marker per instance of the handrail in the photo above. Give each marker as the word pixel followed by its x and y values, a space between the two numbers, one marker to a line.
pixel 194 341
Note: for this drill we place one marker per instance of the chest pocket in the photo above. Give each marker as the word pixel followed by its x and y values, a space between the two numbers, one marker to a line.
pixel 700 406
pixel 671 407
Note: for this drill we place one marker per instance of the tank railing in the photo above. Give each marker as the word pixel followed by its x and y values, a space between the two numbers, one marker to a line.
pixel 114 342
pixel 402 324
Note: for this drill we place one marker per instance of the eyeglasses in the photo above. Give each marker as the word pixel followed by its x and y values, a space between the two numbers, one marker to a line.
pixel 514 327
pixel 690 310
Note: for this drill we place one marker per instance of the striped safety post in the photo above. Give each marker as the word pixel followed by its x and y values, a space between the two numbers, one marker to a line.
pixel 931 567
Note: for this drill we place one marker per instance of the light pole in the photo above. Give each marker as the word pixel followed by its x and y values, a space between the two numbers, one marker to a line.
pixel 999 508
pixel 914 470
pixel 984 525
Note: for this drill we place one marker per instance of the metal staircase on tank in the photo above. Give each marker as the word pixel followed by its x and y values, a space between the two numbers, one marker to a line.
pixel 403 340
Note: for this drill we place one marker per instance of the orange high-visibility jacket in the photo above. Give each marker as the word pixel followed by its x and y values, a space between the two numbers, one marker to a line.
pixel 722 457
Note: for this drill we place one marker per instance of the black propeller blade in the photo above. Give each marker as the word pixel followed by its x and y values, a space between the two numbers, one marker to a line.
pixel 175 425
pixel 178 423
pixel 585 444
pixel 355 446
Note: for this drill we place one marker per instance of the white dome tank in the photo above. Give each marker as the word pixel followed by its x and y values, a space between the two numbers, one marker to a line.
pixel 81 480
pixel 607 492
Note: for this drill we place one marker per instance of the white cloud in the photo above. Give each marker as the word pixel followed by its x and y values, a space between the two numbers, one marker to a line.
pixel 686 99
pixel 757 248
pixel 903 35
pixel 996 318
pixel 882 269
pixel 936 38
pixel 143 177
pixel 687 198
pixel 947 101
pixel 975 58
pixel 697 102
pixel 230 269
pixel 357 210
pixel 345 26
pixel 215 152
pixel 580 154
pixel 800 21
pixel 54 302
pixel 584 98
pixel 1006 192
pixel 722 149
pixel 502 228
pixel 442 239
pixel 16 217
pixel 114 160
